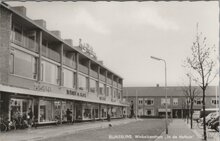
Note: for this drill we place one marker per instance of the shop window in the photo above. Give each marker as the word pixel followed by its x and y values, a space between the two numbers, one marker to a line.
pixel 23 64
pixel 149 101
pixel 82 82
pixel 49 110
pixel 19 107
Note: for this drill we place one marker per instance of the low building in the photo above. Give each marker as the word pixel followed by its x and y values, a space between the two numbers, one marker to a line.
pixel 41 72
pixel 150 101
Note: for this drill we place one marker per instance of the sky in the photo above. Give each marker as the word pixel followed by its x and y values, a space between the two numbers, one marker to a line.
pixel 125 34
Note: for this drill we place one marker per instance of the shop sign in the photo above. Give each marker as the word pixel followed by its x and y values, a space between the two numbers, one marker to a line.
pixel 102 98
pixel 42 88
pixel 80 94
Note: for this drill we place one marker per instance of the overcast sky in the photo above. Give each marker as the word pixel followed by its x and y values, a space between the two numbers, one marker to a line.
pixel 125 34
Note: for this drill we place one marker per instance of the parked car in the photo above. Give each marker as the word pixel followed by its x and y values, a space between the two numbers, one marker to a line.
pixel 215 123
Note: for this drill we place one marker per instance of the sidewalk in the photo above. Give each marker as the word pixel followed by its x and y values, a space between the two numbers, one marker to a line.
pixel 53 131
pixel 211 134
pixel 178 131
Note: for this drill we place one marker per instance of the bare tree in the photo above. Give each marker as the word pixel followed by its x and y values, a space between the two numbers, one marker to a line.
pixel 203 66
pixel 190 93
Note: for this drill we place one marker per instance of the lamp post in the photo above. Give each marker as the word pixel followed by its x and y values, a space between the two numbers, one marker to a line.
pixel 159 59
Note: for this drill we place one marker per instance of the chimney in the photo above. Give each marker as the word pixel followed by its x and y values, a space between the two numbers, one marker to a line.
pixel 69 41
pixel 41 23
pixel 20 9
pixel 56 33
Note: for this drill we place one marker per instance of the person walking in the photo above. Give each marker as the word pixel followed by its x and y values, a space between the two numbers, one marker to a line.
pixel 30 117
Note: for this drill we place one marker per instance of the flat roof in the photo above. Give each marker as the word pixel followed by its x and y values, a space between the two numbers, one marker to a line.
pixel 7 6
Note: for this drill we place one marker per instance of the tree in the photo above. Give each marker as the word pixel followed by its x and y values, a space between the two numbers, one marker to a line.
pixel 190 93
pixel 203 65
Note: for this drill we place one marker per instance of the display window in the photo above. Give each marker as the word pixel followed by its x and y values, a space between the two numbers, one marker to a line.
pixel 49 110
pixel 19 107
pixel 87 111
pixel 103 111
pixel 79 111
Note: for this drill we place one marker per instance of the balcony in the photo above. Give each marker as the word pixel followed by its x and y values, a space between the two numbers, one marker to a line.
pixel 109 81
pixel 119 86
pixel 102 77
pixel 24 41
pixel 93 74
pixel 50 53
pixel 69 62
pixel 114 83
pixel 83 69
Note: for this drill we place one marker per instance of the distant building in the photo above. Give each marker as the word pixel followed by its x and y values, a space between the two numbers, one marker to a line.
pixel 41 71
pixel 151 100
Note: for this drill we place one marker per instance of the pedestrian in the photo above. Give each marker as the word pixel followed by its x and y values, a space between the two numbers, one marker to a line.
pixel 68 115
pixel 30 117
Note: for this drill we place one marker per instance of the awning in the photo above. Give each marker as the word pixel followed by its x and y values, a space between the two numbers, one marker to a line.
pixel 54 95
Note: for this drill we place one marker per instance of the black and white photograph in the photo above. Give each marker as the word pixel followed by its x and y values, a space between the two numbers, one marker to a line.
pixel 109 70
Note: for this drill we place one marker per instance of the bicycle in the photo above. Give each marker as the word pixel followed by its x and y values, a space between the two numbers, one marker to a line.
pixel 3 125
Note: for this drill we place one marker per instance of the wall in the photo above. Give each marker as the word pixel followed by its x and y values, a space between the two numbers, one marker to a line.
pixel 5 28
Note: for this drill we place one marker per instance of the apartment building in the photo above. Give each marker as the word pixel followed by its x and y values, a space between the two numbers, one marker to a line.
pixel 41 71
pixel 150 101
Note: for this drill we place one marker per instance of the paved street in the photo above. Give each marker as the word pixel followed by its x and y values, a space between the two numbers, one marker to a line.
pixel 131 131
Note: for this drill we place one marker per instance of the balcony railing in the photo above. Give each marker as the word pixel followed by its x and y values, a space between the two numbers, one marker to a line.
pixel 24 41
pixel 119 86
pixel 102 77
pixel 114 83
pixel 93 74
pixel 109 81
pixel 50 53
pixel 69 62
pixel 83 69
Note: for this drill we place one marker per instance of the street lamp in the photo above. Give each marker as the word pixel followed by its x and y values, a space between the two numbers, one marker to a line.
pixel 159 59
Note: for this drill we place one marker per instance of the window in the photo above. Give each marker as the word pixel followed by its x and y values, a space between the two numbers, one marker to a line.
pixel 82 82
pixel 149 112
pixel 23 64
pixel 68 78
pixel 119 94
pixel 50 73
pixel 114 93
pixel 11 63
pixel 198 101
pixel 214 101
pixel 101 89
pixel 140 101
pixel 109 90
pixel 93 86
pixel 175 101
pixel 149 101
pixel 163 101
